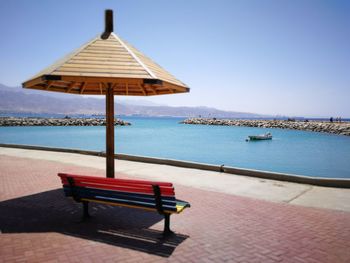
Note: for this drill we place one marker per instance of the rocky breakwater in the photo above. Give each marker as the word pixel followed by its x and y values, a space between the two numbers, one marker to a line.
pixel 341 128
pixel 11 121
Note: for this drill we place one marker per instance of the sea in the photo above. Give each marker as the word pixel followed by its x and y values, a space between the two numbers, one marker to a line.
pixel 290 151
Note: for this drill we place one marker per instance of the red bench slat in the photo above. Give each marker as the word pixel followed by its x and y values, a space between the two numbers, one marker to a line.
pixel 139 188
pixel 124 189
pixel 112 180
pixel 96 182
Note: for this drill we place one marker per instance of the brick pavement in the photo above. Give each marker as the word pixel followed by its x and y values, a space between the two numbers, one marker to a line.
pixel 39 224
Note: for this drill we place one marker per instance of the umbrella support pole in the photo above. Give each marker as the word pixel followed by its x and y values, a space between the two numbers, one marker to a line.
pixel 110 131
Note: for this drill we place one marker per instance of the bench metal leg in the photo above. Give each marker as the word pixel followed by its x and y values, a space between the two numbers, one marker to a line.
pixel 86 210
pixel 167 230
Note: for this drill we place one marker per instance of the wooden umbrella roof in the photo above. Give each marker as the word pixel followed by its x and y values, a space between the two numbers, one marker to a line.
pixel 110 61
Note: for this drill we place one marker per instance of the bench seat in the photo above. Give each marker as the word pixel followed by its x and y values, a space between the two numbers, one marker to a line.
pixel 148 195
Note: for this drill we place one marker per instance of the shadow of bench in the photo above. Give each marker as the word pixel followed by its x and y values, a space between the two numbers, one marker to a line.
pixel 119 226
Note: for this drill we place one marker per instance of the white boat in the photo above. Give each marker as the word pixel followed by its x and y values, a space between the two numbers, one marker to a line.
pixel 266 136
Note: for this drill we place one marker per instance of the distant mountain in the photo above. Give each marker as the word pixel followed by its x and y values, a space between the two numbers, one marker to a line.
pixel 141 103
pixel 19 100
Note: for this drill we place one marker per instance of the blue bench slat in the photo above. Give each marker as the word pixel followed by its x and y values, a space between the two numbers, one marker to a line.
pixel 110 193
pixel 127 202
pixel 137 203
pixel 101 195
pixel 124 196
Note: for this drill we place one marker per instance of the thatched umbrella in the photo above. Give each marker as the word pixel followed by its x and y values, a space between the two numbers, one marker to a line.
pixel 107 65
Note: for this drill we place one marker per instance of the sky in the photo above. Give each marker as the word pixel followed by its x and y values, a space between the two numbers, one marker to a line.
pixel 277 57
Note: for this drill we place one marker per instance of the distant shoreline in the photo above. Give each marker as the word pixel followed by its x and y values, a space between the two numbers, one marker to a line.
pixel 142 115
pixel 68 121
pixel 339 128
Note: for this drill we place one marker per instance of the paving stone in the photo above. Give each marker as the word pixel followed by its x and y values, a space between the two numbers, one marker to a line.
pixel 39 224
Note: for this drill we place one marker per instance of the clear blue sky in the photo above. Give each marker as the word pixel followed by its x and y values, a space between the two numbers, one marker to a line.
pixel 270 57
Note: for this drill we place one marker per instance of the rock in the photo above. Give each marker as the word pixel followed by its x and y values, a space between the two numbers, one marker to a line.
pixel 342 128
pixel 11 121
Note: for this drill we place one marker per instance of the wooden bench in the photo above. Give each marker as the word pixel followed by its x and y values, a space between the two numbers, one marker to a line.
pixel 152 196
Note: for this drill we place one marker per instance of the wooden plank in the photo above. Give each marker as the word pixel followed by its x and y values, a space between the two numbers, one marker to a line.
pixel 106 58
pixel 103 66
pixel 32 82
pixel 101 51
pixel 122 202
pixel 56 84
pixel 91 192
pixel 104 61
pixel 130 91
pixel 70 87
pixel 108 181
pixel 93 79
pixel 132 185
pixel 105 70
pixel 123 188
pixel 104 75
pixel 109 40
pixel 137 203
pixel 49 84
pixel 182 87
pixel 101 91
pixel 101 63
pixel 106 48
pixel 58 89
pixel 152 89
pixel 142 90
pixel 104 55
pixel 168 201
pixel 105 44
pixel 111 57
pixel 105 52
pixel 83 85
pixel 124 205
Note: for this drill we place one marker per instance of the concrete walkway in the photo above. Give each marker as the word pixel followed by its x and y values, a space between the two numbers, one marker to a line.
pixel 263 189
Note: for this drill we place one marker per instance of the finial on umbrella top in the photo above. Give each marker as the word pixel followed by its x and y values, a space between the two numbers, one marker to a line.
pixel 108 24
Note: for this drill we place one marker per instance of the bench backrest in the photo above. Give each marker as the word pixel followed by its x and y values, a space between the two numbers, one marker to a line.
pixel 149 195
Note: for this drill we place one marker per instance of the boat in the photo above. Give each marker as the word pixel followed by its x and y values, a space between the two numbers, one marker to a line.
pixel 266 136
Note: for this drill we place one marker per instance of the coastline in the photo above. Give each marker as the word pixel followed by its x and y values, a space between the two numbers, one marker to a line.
pixel 339 128
pixel 31 121
pixel 221 169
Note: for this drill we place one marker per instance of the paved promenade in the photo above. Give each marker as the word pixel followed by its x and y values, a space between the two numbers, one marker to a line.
pixel 232 218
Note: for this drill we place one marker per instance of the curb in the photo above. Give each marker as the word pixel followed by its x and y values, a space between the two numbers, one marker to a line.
pixel 327 182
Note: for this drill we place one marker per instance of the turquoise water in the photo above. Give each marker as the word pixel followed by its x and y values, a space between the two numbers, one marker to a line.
pixel 295 152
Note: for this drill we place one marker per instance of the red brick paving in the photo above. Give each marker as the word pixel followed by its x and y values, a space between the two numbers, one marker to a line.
pixel 39 224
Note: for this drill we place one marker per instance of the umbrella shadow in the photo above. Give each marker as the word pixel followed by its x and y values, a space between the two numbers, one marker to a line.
pixel 50 211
